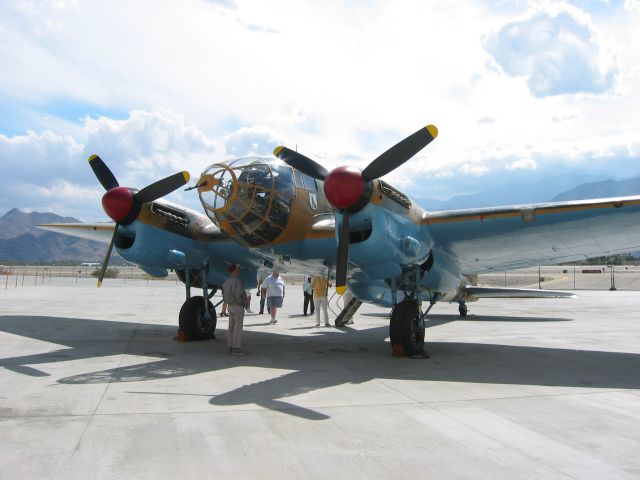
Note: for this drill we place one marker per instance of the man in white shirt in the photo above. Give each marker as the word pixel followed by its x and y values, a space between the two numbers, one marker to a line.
pixel 273 286
pixel 308 296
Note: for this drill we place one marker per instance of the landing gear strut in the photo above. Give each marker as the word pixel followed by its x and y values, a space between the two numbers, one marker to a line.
pixel 406 330
pixel 197 317
pixel 463 310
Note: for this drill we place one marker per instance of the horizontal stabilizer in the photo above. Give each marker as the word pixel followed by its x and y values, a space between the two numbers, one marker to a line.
pixel 100 232
pixel 498 292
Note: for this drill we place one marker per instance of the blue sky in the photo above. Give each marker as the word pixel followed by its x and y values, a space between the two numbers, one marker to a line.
pixel 519 91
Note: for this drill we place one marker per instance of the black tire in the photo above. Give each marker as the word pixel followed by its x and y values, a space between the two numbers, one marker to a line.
pixel 406 328
pixel 192 320
pixel 463 310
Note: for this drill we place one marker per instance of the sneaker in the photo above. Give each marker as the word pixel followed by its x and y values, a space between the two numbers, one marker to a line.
pixel 237 351
pixel 249 310
pixel 273 321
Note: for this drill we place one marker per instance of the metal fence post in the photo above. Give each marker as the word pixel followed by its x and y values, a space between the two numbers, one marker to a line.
pixel 613 279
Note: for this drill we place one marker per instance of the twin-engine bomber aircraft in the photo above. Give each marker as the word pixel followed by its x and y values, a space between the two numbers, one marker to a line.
pixel 290 212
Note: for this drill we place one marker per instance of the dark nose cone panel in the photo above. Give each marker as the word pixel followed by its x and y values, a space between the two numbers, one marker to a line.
pixel 249 198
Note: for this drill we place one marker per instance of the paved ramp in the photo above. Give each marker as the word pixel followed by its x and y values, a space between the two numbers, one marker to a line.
pixel 94 386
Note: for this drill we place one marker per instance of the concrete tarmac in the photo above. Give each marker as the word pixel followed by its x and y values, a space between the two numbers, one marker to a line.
pixel 93 386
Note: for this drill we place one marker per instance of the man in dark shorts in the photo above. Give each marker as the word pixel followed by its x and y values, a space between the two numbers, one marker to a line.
pixel 273 286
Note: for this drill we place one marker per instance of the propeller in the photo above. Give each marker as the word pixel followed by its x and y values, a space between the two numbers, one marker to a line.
pixel 300 162
pixel 123 204
pixel 348 189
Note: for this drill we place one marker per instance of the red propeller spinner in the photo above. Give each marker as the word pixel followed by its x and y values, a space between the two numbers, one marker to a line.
pixel 344 186
pixel 118 203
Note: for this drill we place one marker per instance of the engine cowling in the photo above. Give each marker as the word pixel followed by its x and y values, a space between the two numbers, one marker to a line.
pixel 382 244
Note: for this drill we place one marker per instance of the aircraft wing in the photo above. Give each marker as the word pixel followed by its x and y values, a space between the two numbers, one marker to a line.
pixel 504 238
pixel 499 292
pixel 100 232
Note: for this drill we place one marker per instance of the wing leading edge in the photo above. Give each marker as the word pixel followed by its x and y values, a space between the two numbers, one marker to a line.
pixel 100 232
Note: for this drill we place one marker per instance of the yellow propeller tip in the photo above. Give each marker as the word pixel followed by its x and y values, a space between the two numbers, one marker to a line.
pixel 92 157
pixel 433 130
pixel 341 289
pixel 186 176
pixel 277 150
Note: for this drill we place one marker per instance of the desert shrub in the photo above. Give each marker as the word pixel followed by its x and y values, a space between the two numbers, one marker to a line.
pixel 110 273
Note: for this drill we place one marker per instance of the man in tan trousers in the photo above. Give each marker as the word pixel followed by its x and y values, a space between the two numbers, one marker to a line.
pixel 236 300
pixel 320 287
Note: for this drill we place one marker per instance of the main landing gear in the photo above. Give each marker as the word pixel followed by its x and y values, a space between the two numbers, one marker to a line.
pixel 406 329
pixel 197 318
pixel 463 310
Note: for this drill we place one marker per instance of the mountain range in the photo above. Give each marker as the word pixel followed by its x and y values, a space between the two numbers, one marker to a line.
pixel 558 188
pixel 606 188
pixel 21 241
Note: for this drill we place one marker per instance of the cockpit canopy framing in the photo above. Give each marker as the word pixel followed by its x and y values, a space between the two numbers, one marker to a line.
pixel 250 198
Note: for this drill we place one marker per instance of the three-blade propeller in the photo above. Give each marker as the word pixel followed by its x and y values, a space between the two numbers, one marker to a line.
pixel 123 204
pixel 348 189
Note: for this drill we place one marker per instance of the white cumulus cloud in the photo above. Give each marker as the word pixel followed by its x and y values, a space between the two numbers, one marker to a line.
pixel 251 141
pixel 523 164
pixel 557 50
pixel 150 144
pixel 158 86
pixel 47 168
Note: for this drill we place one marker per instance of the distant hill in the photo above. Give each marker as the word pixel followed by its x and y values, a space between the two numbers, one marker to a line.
pixel 511 194
pixel 606 188
pixel 556 189
pixel 21 241
pixel 16 222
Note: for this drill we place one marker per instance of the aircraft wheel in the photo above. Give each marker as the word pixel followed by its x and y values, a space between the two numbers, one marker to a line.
pixel 193 322
pixel 463 310
pixel 407 328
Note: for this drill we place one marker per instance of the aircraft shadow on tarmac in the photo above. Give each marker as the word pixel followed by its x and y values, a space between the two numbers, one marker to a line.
pixel 325 359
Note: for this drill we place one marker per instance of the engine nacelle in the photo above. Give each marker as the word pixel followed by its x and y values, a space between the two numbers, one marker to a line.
pixel 383 242
pixel 146 241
